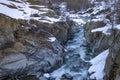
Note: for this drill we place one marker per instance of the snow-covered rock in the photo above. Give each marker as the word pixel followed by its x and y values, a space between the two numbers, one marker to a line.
pixel 24 10
pixel 29 46
pixel 20 9
pixel 98 66
pixel 47 75
pixel 51 39
pixel 105 30
pixel 117 27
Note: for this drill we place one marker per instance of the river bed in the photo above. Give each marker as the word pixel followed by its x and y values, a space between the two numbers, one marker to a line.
pixel 77 59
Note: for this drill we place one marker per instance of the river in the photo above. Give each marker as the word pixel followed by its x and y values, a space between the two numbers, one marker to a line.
pixel 77 59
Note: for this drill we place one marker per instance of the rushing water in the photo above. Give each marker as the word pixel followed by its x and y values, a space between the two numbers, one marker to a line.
pixel 76 59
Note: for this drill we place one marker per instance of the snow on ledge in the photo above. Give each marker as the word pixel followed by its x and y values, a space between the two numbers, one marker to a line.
pixel 79 21
pixel 98 65
pixel 76 18
pixel 22 9
pixel 51 39
pixel 99 8
pixel 47 75
pixel 117 27
pixel 104 30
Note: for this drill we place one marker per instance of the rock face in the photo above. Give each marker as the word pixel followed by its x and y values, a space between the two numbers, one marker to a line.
pixel 100 42
pixel 97 41
pixel 78 4
pixel 112 67
pixel 30 48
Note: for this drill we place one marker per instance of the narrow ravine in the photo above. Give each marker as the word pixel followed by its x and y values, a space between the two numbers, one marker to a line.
pixel 77 59
pixel 60 40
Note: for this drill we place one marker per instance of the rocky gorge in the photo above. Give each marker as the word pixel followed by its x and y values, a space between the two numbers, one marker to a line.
pixel 59 40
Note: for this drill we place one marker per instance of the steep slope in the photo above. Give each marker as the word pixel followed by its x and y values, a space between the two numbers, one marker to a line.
pixel 102 32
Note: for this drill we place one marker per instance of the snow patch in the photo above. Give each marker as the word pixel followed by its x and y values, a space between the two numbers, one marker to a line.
pixel 23 10
pixel 98 65
pixel 105 30
pixel 86 15
pixel 101 6
pixel 76 18
pixel 79 21
pixel 117 27
pixel 47 75
pixel 47 19
pixel 99 18
pixel 19 10
pixel 51 39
